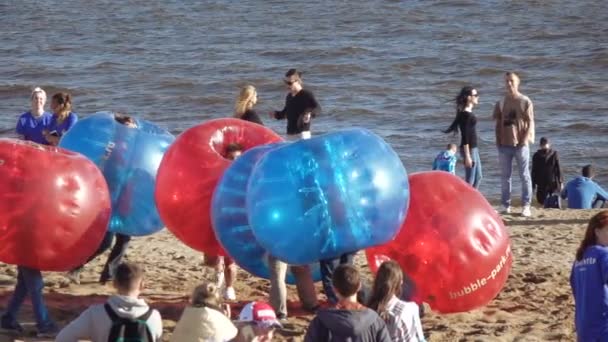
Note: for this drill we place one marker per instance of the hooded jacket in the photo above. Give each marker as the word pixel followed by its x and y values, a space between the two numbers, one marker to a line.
pixel 445 161
pixel 546 171
pixel 94 323
pixel 347 325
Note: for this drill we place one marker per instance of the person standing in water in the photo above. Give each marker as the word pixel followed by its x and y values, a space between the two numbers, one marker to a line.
pixel 466 122
pixel 300 107
pixel 514 116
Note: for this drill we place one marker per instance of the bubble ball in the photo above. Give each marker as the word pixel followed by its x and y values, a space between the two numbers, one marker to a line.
pixel 129 158
pixel 332 194
pixel 54 206
pixel 229 217
pixel 453 244
pixel 190 171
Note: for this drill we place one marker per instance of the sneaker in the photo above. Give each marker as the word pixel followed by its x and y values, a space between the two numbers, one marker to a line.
pixel 11 328
pixel 526 212
pixel 229 294
pixel 49 332
pixel 506 210
pixel 74 276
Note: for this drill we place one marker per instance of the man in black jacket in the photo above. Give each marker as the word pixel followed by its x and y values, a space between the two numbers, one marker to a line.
pixel 546 173
pixel 300 107
pixel 348 320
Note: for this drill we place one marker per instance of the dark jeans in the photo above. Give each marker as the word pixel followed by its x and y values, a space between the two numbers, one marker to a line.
pixel 29 283
pixel 327 271
pixel 114 259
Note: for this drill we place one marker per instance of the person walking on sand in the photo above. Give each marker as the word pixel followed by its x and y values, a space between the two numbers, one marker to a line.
pixel 300 107
pixel 466 122
pixel 514 116
pixel 589 281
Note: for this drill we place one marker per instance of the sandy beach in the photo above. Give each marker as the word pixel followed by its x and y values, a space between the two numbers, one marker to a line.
pixel 535 304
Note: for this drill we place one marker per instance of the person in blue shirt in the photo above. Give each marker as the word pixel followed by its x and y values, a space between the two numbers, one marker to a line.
pixel 62 120
pixel 30 125
pixel 589 281
pixel 583 193
pixel 30 283
pixel 446 160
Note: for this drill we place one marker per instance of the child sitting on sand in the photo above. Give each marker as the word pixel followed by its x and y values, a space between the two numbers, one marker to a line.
pixel 348 320
pixel 205 319
pixel 257 322
pixel 123 312
pixel 401 317
pixel 446 160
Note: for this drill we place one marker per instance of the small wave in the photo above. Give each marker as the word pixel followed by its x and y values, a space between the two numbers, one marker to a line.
pixel 579 126
pixel 16 89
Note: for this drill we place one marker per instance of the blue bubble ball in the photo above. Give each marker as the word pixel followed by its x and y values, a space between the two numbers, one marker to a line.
pixel 128 158
pixel 229 217
pixel 319 198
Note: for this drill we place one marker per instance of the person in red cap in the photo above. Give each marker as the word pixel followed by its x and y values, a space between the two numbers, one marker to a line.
pixel 257 322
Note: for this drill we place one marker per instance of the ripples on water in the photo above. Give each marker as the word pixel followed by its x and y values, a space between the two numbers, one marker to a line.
pixel 390 66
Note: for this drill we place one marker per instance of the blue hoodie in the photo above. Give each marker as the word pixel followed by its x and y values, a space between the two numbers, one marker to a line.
pixel 445 161
pixel 582 192
pixel 589 280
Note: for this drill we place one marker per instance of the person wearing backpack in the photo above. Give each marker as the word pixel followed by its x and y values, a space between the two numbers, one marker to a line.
pixel 124 317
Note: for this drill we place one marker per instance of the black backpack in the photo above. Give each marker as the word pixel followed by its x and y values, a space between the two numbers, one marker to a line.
pixel 127 329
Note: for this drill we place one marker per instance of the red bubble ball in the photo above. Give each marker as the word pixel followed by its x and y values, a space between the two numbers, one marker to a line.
pixel 54 207
pixel 453 244
pixel 189 173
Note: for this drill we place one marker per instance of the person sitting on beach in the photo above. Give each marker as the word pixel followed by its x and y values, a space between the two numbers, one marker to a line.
pixel 243 109
pixel 589 281
pixel 546 172
pixel 123 312
pixel 583 193
pixel 225 267
pixel 348 320
pixel 206 319
pixel 30 125
pixel 122 241
pixel 402 318
pixel 257 322
pixel 446 160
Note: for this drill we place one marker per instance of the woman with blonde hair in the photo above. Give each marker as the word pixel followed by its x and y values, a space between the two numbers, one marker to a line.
pixel 206 319
pixel 32 124
pixel 243 109
pixel 402 318
pixel 63 118
pixel 589 281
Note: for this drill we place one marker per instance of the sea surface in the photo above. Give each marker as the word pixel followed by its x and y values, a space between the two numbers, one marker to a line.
pixel 390 66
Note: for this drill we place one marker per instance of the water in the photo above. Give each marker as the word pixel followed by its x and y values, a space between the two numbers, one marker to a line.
pixel 389 66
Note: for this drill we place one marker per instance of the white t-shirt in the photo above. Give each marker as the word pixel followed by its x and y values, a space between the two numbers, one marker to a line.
pixel 403 321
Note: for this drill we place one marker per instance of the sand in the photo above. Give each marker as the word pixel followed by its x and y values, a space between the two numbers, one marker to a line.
pixel 535 305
